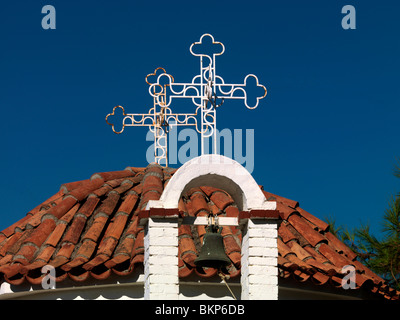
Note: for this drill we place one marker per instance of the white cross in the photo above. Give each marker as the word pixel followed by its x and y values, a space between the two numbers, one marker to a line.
pixel 158 119
pixel 205 89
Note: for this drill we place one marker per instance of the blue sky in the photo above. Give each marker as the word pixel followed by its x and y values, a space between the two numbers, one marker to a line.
pixel 327 135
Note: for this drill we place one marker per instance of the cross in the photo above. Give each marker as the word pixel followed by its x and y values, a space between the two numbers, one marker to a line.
pixel 159 118
pixel 205 90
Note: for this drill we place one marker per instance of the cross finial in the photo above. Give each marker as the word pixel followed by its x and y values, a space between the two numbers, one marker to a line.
pixel 159 118
pixel 208 87
pixel 207 91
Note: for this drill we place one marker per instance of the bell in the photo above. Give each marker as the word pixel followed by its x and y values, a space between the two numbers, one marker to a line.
pixel 212 254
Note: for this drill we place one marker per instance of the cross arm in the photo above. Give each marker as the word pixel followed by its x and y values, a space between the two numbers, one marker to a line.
pixel 133 119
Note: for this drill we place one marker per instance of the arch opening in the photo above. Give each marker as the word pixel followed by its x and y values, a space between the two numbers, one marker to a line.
pixel 217 171
pixel 220 182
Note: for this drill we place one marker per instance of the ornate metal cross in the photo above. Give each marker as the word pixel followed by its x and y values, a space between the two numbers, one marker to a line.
pixel 206 88
pixel 158 119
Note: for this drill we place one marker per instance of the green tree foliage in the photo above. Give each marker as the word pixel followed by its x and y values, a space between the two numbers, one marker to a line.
pixel 380 255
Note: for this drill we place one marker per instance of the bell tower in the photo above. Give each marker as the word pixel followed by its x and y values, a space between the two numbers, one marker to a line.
pixel 258 219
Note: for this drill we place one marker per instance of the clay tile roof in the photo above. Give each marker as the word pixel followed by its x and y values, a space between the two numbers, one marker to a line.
pixel 90 228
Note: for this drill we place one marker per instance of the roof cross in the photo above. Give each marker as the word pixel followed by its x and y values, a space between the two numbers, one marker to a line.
pixel 159 118
pixel 208 91
pixel 207 88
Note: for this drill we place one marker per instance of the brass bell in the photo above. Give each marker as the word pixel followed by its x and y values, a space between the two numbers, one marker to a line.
pixel 212 253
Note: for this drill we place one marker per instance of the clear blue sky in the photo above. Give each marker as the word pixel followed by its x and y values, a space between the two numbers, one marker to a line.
pixel 327 135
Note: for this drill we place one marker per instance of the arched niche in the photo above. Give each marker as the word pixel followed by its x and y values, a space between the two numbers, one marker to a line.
pixel 216 171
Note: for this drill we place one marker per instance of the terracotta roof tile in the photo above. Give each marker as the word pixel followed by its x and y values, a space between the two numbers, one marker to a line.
pixel 319 278
pixel 207 190
pixel 232 211
pixel 298 262
pixel 66 250
pixel 188 252
pixel 149 195
pixel 284 210
pixel 326 269
pixel 317 256
pixel 7 245
pixel 52 201
pixel 335 258
pixel 284 233
pixel 107 246
pixel 6 260
pixel 319 224
pixel 108 205
pixel 85 189
pixel 114 175
pixel 95 230
pixel 128 204
pixel 303 227
pixel 90 228
pixel 152 183
pixel 74 232
pixel 40 234
pixel 56 235
pixel 197 203
pixel 298 250
pixel 45 254
pixel 71 213
pixel 339 246
pixel 138 247
pixel 284 250
pixel 221 199
pixel 11 229
pixel 68 187
pixel 287 202
pixel 230 244
pixel 67 203
pixel 25 253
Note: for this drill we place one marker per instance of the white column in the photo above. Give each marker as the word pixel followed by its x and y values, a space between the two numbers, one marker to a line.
pixel 161 259
pixel 259 278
